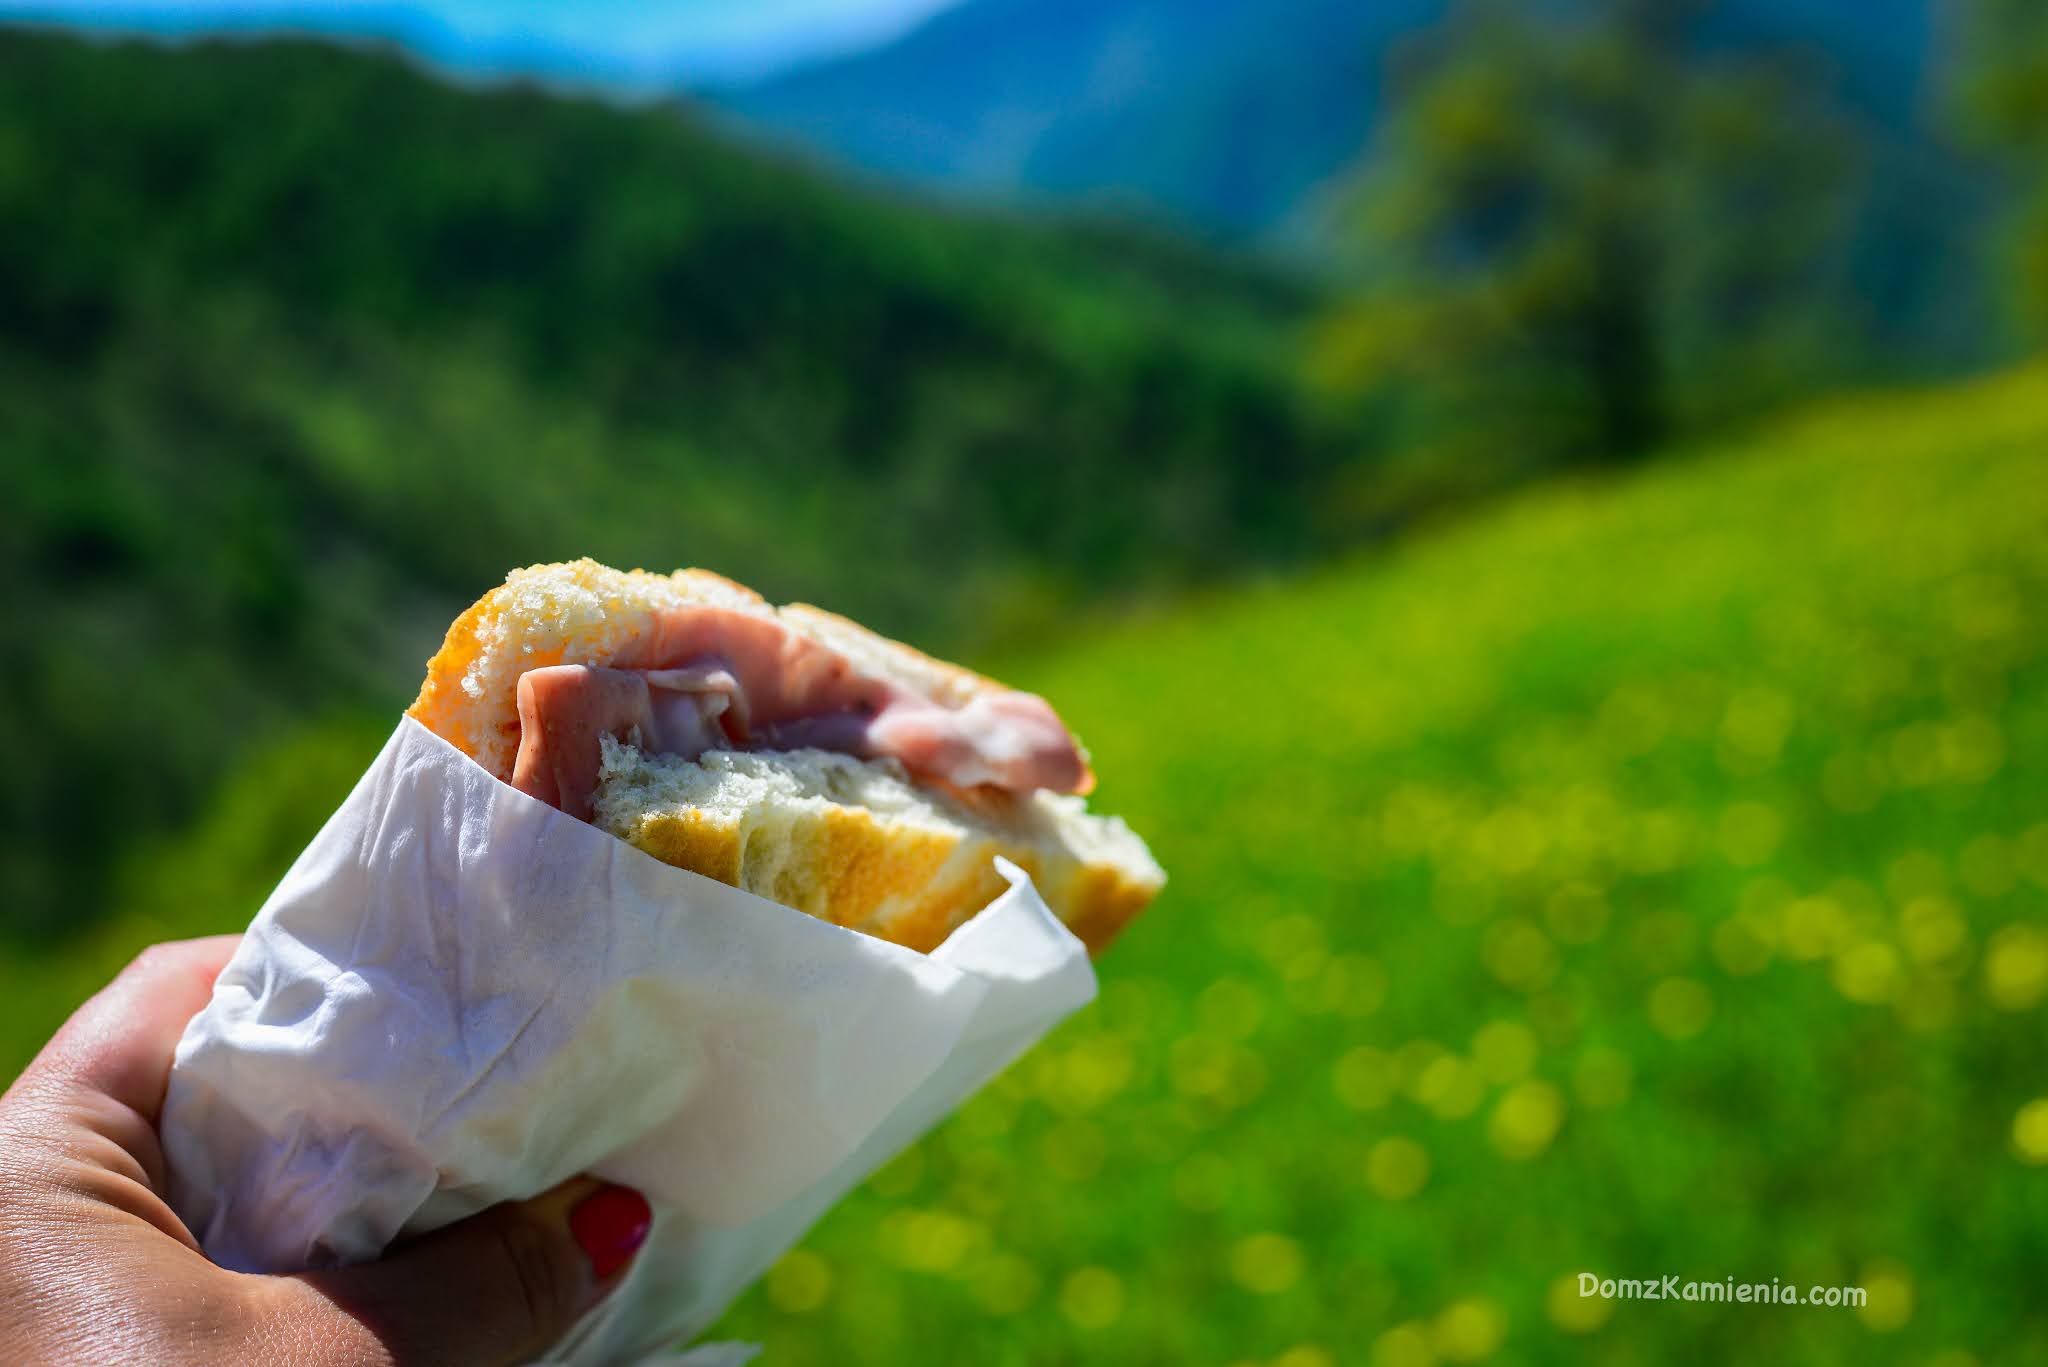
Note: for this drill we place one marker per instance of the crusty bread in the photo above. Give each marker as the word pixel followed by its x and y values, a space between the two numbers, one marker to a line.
pixel 856 843
pixel 853 842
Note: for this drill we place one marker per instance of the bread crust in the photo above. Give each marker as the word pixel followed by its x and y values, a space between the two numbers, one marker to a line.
pixel 893 880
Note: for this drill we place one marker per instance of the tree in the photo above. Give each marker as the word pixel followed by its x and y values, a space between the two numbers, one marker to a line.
pixel 2005 103
pixel 1579 237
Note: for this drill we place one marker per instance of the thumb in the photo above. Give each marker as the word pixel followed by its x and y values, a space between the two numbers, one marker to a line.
pixel 494 1289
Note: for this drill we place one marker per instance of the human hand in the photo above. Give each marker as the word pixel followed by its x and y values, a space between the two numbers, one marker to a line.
pixel 96 1268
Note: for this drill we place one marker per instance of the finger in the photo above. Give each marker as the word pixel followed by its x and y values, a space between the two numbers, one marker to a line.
pixel 119 1043
pixel 496 1288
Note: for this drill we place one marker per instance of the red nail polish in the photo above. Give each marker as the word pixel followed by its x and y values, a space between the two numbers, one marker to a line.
pixel 610 1224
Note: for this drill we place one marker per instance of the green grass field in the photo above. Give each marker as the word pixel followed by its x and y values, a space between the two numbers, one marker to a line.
pixel 1644 877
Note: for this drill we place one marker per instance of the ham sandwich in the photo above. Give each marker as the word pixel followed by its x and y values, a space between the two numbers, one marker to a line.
pixel 787 751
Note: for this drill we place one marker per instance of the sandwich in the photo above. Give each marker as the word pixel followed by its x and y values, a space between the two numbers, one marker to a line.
pixel 783 750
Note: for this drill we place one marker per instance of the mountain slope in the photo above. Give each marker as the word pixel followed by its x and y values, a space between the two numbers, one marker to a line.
pixel 1226 113
pixel 1244 118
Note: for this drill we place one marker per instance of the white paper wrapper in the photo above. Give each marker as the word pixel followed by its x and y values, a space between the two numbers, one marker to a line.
pixel 458 995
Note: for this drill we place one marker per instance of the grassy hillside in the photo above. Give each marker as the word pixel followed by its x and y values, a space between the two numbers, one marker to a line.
pixel 1650 877
pixel 300 350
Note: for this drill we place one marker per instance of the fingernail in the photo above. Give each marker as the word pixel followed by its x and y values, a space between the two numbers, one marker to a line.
pixel 610 1224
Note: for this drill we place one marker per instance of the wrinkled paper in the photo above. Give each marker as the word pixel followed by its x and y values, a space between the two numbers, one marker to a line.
pixel 459 995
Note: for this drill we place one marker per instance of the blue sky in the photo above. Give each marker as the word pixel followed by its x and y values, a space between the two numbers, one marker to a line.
pixel 609 41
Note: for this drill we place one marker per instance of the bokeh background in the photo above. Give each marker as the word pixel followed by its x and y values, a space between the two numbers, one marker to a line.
pixel 1540 511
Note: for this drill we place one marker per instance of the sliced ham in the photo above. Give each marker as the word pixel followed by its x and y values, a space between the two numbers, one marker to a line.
pixel 711 678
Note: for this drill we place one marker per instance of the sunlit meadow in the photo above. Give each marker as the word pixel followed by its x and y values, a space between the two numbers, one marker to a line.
pixel 1649 878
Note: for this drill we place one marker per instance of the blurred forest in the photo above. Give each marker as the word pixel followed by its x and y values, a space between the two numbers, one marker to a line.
pixel 1587 239
pixel 2005 97
pixel 300 349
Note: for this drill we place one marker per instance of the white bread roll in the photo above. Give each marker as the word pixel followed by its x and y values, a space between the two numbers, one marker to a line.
pixel 855 842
